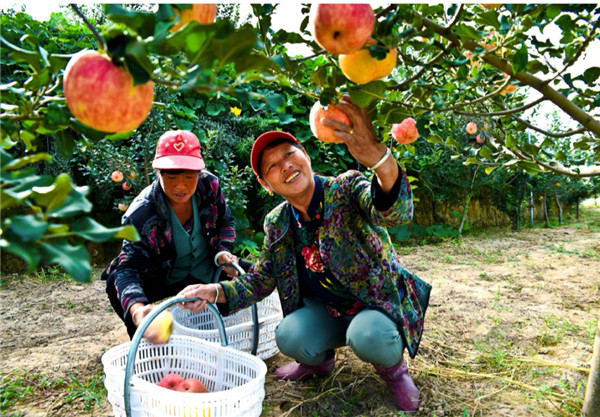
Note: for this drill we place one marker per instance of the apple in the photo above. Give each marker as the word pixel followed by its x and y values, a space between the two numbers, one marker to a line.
pixel 132 174
pixel 117 176
pixel 479 138
pixel 126 186
pixel 471 128
pixel 123 207
pixel 203 13
pixel 319 130
pixel 491 6
pixel 342 28
pixel 405 131
pixel 101 95
pixel 362 68
pixel 159 331
pixel 190 385
pixel 170 380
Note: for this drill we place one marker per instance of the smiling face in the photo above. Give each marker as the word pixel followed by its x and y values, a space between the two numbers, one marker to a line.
pixel 179 187
pixel 286 170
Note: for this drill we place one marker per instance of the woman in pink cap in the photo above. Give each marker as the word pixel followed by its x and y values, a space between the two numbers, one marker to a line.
pixel 328 253
pixel 186 231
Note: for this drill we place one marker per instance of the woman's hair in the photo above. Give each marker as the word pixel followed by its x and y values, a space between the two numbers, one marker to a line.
pixel 273 144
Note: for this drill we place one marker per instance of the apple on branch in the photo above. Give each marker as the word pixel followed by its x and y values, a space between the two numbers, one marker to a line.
pixel 203 13
pixel 342 28
pixel 362 68
pixel 319 130
pixel 405 131
pixel 102 95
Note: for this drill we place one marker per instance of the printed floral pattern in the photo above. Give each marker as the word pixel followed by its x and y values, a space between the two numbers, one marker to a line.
pixel 355 248
pixel 312 259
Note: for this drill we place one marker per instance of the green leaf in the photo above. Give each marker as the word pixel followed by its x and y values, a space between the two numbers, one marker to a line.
pixel 89 229
pixel 434 139
pixel 65 143
pixel 363 95
pixel 530 167
pixel 28 252
pixel 510 142
pixel 471 160
pixel 74 259
pixel 467 33
pixel 26 228
pixel 26 160
pixel 520 59
pixel 590 75
pixel 485 152
pixel 488 170
pixel 53 196
pixel 76 203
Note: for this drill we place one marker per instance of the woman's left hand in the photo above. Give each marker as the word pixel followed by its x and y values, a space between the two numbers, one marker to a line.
pixel 205 292
pixel 228 258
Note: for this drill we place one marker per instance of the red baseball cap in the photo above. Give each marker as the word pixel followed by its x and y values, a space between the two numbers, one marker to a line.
pixel 178 149
pixel 262 141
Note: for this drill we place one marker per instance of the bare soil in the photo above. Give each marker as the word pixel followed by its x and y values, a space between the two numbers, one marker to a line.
pixel 509 332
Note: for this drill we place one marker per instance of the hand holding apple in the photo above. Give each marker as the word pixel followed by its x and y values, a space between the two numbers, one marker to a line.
pixel 159 330
pixel 319 130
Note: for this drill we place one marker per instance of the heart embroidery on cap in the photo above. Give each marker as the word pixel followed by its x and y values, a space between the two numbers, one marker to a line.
pixel 178 146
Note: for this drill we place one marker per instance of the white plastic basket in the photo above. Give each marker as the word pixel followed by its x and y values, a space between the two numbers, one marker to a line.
pixel 239 326
pixel 234 379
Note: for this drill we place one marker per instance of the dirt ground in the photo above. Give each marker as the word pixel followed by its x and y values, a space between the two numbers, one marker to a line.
pixel 509 332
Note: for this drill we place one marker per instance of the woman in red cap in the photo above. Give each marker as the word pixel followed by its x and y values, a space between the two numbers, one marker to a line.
pixel 328 253
pixel 186 230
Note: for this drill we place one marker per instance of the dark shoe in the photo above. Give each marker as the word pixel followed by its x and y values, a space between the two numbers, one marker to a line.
pixel 296 371
pixel 404 391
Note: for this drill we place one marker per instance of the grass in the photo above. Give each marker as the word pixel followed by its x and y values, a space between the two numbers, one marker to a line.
pixel 18 387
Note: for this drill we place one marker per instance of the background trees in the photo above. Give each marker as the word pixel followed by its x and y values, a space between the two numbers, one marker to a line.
pixel 233 79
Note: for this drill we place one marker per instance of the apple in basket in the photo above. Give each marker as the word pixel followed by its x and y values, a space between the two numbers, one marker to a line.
pixel 190 385
pixel 170 380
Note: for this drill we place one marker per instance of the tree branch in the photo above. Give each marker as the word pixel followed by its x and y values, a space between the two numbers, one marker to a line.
pixel 92 29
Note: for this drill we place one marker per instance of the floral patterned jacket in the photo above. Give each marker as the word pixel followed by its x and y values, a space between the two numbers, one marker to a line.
pixel 147 262
pixel 354 245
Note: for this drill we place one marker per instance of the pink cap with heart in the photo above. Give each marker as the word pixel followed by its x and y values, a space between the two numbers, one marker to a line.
pixel 178 149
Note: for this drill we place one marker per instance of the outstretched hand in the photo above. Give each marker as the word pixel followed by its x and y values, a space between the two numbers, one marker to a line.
pixel 362 143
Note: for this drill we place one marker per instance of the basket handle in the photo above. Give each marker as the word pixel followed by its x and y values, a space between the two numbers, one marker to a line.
pixel 254 310
pixel 137 337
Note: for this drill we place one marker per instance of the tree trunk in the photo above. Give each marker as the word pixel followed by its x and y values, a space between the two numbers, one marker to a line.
pixel 531 208
pixel 558 207
pixel 546 219
pixel 467 201
pixel 577 209
pixel 591 404
pixel 464 215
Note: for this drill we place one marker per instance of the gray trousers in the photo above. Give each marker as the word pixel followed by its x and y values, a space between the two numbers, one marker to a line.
pixel 307 334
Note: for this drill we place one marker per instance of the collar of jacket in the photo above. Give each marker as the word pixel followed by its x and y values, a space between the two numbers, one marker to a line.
pixel 277 222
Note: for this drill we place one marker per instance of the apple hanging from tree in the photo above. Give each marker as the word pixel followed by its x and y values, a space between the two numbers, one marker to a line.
pixel 471 128
pixel 319 130
pixel 342 28
pixel 202 13
pixel 101 95
pixel 362 68
pixel 190 385
pixel 117 176
pixel 126 185
pixel 405 131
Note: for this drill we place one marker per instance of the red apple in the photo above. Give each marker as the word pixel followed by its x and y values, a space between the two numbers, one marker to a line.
pixel 126 186
pixel 190 385
pixel 342 28
pixel 319 130
pixel 405 131
pixel 101 95
pixel 479 138
pixel 123 207
pixel 203 13
pixel 170 381
pixel 471 128
pixel 117 176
